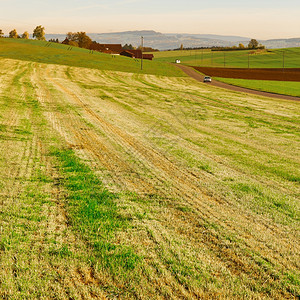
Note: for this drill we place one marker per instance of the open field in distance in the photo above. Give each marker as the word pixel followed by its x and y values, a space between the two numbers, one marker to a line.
pixel 275 58
pixel 134 185
pixel 239 59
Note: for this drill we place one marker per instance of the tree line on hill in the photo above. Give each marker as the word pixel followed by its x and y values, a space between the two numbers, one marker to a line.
pixel 82 40
pixel 75 39
pixel 38 33
pixel 252 45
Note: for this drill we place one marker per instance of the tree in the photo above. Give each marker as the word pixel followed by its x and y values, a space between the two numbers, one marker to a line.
pixel 1 33
pixel 128 47
pixel 39 33
pixel 181 47
pixel 71 36
pixel 73 43
pixel 241 46
pixel 13 34
pixel 83 40
pixel 54 41
pixel 25 35
pixel 253 44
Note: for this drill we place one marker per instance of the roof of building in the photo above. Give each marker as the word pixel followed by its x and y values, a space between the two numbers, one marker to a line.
pixel 136 53
pixel 127 53
pixel 66 41
pixel 107 48
pixel 148 56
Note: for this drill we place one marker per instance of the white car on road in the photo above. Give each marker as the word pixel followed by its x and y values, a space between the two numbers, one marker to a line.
pixel 207 79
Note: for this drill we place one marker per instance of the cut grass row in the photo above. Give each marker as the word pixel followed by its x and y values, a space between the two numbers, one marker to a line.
pixel 41 248
pixel 93 214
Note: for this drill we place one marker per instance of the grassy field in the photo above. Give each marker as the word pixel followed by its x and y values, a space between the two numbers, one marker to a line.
pixel 239 59
pixel 129 185
pixel 278 87
pixel 41 51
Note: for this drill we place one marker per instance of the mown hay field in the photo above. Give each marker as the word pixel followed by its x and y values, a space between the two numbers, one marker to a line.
pixel 126 185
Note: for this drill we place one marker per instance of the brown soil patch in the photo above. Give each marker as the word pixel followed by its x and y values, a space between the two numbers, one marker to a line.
pixel 255 73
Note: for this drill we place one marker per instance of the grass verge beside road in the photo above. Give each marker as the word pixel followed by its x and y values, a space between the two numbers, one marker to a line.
pixel 277 87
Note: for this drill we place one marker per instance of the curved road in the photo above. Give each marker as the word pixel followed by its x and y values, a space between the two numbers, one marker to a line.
pixel 197 76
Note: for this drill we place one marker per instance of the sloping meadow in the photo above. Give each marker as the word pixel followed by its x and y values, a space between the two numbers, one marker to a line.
pixel 144 186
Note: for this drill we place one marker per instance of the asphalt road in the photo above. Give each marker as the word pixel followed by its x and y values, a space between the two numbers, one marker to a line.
pixel 197 76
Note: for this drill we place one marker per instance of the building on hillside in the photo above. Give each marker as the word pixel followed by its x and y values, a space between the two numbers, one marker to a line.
pixel 148 56
pixel 127 53
pixel 132 53
pixel 66 41
pixel 136 54
pixel 106 48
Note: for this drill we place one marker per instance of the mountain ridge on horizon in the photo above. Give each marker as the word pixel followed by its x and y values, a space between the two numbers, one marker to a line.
pixel 167 41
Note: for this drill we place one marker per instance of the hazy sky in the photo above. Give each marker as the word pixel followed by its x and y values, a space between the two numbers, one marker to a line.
pixel 261 19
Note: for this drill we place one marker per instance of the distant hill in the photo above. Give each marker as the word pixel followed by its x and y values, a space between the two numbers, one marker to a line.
pixel 165 41
pixel 282 43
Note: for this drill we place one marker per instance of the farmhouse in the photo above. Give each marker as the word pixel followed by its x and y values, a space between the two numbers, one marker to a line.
pixel 148 56
pixel 136 54
pixel 66 41
pixel 106 48
pixel 132 53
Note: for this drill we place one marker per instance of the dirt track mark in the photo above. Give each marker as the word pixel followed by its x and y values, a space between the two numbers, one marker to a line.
pixel 34 225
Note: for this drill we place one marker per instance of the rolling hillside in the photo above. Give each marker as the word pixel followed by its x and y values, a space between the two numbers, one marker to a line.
pixel 41 51
pixel 117 184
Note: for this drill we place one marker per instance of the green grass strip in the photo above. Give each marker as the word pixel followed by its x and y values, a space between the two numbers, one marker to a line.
pixel 278 87
pixel 93 213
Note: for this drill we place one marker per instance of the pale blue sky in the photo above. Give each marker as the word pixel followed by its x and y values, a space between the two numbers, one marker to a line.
pixel 261 19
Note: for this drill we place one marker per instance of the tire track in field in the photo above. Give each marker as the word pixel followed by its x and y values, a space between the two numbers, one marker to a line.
pixel 81 136
pixel 92 142
pixel 18 149
pixel 160 163
pixel 76 130
pixel 29 156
